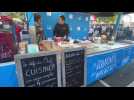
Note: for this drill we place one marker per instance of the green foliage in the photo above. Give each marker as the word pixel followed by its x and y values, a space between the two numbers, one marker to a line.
pixel 107 20
pixel 19 15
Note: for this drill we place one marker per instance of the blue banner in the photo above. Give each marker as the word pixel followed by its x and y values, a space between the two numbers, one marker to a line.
pixel 119 56
pixel 78 23
pixel 123 57
pixel 8 77
pixel 101 65
pixel 132 53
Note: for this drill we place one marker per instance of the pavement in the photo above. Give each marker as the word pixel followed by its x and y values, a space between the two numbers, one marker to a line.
pixel 122 78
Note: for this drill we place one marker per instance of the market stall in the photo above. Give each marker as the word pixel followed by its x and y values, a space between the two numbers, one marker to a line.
pixel 8 77
pixel 61 62
pixel 104 60
pixel 100 61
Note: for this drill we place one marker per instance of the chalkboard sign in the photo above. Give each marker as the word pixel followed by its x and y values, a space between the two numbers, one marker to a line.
pixel 73 68
pixel 7 49
pixel 39 70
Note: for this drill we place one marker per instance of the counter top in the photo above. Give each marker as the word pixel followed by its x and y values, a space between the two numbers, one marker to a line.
pixel 97 48
pixel 93 48
pixel 6 64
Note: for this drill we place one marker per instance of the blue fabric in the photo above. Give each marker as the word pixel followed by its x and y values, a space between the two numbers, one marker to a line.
pixel 48 22
pixel 101 65
pixel 75 20
pixel 30 17
pixel 8 76
pixel 98 66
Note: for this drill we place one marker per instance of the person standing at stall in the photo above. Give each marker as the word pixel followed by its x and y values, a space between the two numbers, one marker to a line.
pixel 103 28
pixel 24 32
pixel 91 31
pixel 39 29
pixel 61 29
pixel 18 30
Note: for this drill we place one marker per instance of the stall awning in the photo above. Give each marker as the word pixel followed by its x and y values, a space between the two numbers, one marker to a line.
pixel 106 14
pixel 102 14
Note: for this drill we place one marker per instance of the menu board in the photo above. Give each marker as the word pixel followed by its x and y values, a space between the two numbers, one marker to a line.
pixel 40 71
pixel 74 68
pixel 7 49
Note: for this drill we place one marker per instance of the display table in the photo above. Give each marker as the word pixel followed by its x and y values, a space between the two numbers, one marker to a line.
pixel 8 76
pixel 101 60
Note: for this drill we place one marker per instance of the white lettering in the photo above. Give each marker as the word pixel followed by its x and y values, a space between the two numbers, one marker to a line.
pixel 40 70
pixel 27 73
pixel 105 62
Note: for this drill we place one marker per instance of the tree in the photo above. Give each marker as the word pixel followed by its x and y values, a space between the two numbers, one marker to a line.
pixel 19 15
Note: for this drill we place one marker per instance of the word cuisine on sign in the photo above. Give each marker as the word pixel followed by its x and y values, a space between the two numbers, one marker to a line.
pixel 40 71
pixel 74 68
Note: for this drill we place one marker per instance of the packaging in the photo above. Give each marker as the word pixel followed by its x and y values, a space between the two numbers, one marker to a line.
pixel 32 48
pixel 46 45
pixel 59 40
pixel 23 47
pixel 32 32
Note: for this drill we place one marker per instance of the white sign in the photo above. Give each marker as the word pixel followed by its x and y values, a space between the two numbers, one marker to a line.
pixel 79 18
pixel 48 13
pixel 49 28
pixel 70 16
pixel 78 28
pixel 71 29
pixel 86 18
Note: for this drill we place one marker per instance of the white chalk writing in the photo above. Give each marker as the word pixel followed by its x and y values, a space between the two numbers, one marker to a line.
pixel 39 70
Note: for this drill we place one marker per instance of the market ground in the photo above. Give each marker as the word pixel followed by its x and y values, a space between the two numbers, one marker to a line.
pixel 122 78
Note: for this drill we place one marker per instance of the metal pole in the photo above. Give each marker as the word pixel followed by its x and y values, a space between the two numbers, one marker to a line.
pixel 117 23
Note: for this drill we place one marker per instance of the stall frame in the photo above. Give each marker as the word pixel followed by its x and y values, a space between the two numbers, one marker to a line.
pixel 63 66
pixel 19 71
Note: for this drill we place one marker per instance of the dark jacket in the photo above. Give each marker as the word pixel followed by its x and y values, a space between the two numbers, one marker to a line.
pixel 61 30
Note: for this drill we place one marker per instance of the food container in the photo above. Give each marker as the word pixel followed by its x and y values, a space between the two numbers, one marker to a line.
pixel 22 47
pixel 45 45
pixel 98 40
pixel 32 48
pixel 58 40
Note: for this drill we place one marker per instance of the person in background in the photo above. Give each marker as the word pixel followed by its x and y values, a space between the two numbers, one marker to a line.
pixel 126 32
pixel 24 30
pixel 39 29
pixel 91 30
pixel 130 34
pixel 104 37
pixel 24 34
pixel 18 30
pixel 95 28
pixel 90 33
pixel 61 29
pixel 103 28
pixel 99 29
pixel 109 31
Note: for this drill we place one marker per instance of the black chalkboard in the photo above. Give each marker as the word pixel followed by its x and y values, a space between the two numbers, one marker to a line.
pixel 40 71
pixel 74 68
